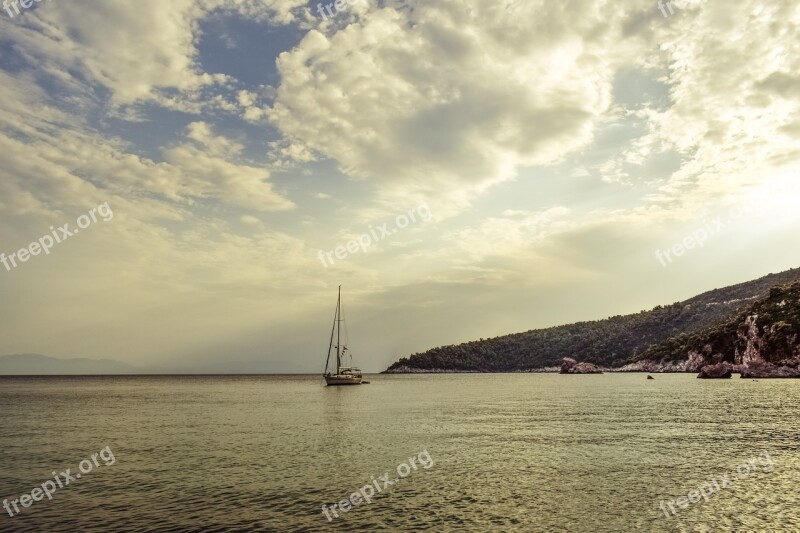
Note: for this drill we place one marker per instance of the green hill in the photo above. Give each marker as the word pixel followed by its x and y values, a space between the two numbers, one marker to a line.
pixel 662 333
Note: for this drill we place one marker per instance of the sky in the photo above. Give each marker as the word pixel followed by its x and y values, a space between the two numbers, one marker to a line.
pixel 185 184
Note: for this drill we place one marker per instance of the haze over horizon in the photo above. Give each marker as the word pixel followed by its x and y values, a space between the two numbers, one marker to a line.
pixel 233 141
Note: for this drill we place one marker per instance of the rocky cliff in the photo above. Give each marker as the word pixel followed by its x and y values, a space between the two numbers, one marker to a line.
pixel 761 341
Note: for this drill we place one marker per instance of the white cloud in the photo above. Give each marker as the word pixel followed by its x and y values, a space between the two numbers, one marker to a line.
pixel 514 234
pixel 448 98
pixel 138 51
pixel 732 106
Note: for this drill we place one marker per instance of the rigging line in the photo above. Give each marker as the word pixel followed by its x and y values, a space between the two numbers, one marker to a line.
pixel 347 336
pixel 330 346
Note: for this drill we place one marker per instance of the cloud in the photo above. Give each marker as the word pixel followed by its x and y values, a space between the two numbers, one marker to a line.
pixel 140 52
pixel 449 98
pixel 732 105
pixel 204 170
pixel 513 234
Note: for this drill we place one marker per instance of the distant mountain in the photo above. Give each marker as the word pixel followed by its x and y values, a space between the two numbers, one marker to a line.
pixel 35 364
pixel 661 333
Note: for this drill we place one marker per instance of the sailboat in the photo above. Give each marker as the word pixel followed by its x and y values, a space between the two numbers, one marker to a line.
pixel 344 375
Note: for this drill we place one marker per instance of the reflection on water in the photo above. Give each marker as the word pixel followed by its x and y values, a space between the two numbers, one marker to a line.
pixel 528 452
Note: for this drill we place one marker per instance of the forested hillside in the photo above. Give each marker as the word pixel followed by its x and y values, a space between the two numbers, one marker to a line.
pixel 612 342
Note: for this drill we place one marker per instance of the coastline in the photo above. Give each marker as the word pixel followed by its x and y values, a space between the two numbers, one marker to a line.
pixel 544 370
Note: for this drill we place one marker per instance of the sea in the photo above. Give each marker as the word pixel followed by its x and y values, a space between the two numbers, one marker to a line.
pixel 430 452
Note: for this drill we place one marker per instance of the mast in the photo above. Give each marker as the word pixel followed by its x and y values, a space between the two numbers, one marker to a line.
pixel 338 329
pixel 330 346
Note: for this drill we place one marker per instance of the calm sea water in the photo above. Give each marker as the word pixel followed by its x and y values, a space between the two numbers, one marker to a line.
pixel 528 452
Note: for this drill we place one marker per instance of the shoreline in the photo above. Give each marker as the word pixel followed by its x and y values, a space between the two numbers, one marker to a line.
pixel 545 370
pixel 555 370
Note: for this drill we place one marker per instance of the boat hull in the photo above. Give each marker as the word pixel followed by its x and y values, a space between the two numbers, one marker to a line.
pixel 342 380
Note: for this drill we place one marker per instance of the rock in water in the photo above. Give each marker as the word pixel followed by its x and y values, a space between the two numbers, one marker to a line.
pixel 762 369
pixel 586 368
pixel 571 366
pixel 718 371
pixel 567 364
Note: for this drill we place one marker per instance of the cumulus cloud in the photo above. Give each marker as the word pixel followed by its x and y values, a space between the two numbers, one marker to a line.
pixel 445 100
pixel 451 96
pixel 142 51
pixel 204 170
pixel 730 69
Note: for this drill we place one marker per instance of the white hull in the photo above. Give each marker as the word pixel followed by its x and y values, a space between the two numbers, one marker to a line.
pixel 341 379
